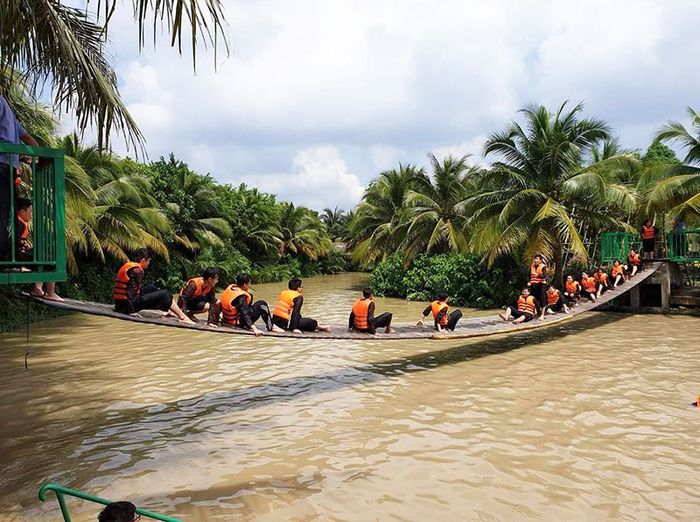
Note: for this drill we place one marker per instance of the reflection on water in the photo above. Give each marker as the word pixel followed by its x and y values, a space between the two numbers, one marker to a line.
pixel 584 421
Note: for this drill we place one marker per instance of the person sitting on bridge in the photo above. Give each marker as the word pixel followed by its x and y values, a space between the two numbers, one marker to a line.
pixel 538 280
pixel 24 248
pixel 524 309
pixel 572 291
pixel 633 264
pixel 362 316
pixel 602 281
pixel 131 295
pixel 556 302
pixel 199 294
pixel 238 309
pixel 119 512
pixel 287 313
pixel 648 233
pixel 617 272
pixel 589 288
pixel 443 319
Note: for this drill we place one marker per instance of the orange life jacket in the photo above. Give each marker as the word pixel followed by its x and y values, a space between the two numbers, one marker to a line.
pixel 572 287
pixel 285 305
pixel 200 288
pixel 600 278
pixel 122 282
pixel 537 274
pixel 361 312
pixel 526 305
pixel 437 307
pixel 633 260
pixel 228 296
pixel 552 297
pixel 588 284
pixel 617 270
pixel 648 232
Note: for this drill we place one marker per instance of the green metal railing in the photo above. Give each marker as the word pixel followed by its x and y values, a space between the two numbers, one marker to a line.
pixel 48 262
pixel 684 245
pixel 616 245
pixel 61 492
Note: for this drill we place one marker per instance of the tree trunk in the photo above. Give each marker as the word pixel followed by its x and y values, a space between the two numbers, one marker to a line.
pixel 559 266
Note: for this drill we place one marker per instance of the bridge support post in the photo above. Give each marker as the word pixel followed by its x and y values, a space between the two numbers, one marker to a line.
pixel 665 280
pixel 634 299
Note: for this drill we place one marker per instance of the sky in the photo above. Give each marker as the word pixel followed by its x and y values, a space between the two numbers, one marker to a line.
pixel 318 97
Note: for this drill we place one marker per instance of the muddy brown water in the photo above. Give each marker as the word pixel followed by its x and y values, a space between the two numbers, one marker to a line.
pixel 589 420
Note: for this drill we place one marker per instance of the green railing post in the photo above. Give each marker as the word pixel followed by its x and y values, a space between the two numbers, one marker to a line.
pixel 63 506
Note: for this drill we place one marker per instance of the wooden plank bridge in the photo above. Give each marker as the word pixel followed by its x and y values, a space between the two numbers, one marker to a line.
pixel 467 328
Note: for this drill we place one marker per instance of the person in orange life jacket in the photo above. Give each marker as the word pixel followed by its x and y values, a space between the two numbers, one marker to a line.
pixel 287 313
pixel 633 264
pixel 538 280
pixel 617 273
pixel 199 294
pixel 131 295
pixel 121 511
pixel 238 309
pixel 648 233
pixel 589 288
pixel 556 302
pixel 524 309
pixel 24 248
pixel 443 319
pixel 572 291
pixel 602 280
pixel 362 316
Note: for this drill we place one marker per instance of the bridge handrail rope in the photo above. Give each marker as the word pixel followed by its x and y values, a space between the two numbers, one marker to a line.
pixel 62 491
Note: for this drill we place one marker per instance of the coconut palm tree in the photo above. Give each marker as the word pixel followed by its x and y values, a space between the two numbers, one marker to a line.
pixel 336 223
pixel 675 188
pixel 539 190
pixel 62 45
pixel 381 220
pixel 437 221
pixel 303 232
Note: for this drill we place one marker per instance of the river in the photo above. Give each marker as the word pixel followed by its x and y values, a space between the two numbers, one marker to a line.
pixel 588 420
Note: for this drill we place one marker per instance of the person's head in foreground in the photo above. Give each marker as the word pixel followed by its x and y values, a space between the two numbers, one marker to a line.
pixel 119 512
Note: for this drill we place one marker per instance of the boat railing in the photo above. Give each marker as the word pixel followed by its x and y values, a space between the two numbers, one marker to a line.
pixel 62 492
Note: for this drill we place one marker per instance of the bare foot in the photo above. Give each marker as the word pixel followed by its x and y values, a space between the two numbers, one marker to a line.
pixel 324 328
pixel 54 297
pixel 168 314
pixel 36 293
pixel 503 316
pixel 185 320
pixel 277 329
pixel 390 331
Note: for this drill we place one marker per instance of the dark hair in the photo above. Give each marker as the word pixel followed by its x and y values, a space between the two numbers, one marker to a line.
pixel 616 261
pixel 23 203
pixel 242 279
pixel 142 253
pixel 442 296
pixel 210 272
pixel 294 284
pixel 118 512
pixel 539 256
pixel 367 293
pixel 526 288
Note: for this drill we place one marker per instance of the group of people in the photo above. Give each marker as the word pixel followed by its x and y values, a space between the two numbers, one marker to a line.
pixel 540 298
pixel 237 308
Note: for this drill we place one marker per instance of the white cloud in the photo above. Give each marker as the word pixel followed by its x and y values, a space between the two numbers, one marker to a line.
pixel 387 82
pixel 319 178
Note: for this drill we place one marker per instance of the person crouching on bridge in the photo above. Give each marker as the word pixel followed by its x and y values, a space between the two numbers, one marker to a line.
pixel 538 280
pixel 287 313
pixel 556 302
pixel 237 308
pixel 444 320
pixel 199 294
pixel 131 295
pixel 617 272
pixel 589 288
pixel 602 281
pixel 362 316
pixel 572 291
pixel 633 264
pixel 523 311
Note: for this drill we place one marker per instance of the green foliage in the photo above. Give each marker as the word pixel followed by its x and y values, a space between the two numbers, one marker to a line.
pixel 467 281
pixel 660 153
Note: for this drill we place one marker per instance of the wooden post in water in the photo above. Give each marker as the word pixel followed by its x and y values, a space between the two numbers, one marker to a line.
pixel 634 299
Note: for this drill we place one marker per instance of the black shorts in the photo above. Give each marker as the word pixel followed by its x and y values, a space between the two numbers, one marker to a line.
pixel 628 268
pixel 517 313
pixel 648 244
pixel 586 293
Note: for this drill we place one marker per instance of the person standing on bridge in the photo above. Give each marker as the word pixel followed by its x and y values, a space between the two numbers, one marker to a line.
pixel 538 280
pixel 443 319
pixel 362 316
pixel 648 233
